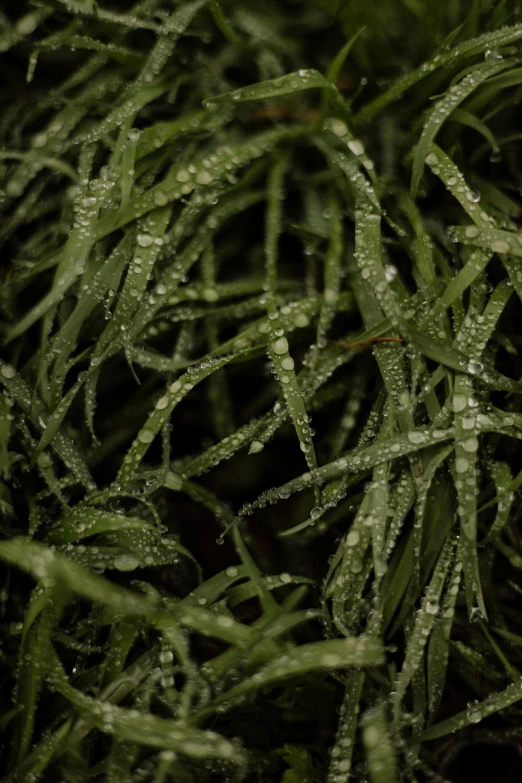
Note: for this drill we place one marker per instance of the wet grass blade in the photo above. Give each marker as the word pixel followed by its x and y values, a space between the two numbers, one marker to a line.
pixel 442 110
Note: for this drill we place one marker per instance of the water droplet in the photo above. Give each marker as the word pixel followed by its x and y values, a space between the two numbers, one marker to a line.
pixel 500 246
pixel 474 367
pixel 204 177
pixel 40 140
pixel 183 175
pixel 126 562
pixel 470 445
pixel 352 539
pixel 459 402
pixel 160 198
pixel 356 146
pixel 256 446
pixel 8 371
pixel 145 240
pixel 281 346
pixel 301 320
pixel 416 437
pixel 162 403
pixel 339 128
pixel 461 464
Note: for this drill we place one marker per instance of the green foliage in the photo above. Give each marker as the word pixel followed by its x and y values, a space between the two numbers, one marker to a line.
pixel 220 219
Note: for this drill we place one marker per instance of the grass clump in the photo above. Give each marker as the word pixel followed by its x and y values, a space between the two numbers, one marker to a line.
pixel 219 222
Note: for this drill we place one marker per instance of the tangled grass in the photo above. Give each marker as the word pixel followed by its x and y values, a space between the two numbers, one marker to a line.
pixel 219 221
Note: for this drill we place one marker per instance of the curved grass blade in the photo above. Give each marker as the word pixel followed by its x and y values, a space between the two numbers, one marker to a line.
pixel 63 446
pixel 89 521
pixel 471 121
pixel 442 110
pixel 305 79
pixel 439 643
pixel 145 728
pixel 476 713
pixel 466 447
pixel 327 655
pixel 73 256
pixel 504 493
pixel 470 48
pixel 278 348
pixel 332 274
pixel 423 626
pixel 161 414
pixel 36 636
pixel 210 170
pixel 120 53
pixel 341 754
pixel 494 240
pixel 384 450
pixel 43 160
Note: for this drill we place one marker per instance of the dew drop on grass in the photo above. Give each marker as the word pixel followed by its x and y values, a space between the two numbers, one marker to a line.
pixel 500 246
pixel 459 402
pixel 474 367
pixel 339 128
pixel 160 198
pixel 461 464
pixel 281 346
pixel 146 436
pixel 356 146
pixel 204 177
pixel 145 240
pixel 473 713
pixel 256 446
pixel 353 537
pixel 126 562
pixel 8 371
pixel 40 140
pixel 301 320
pixel 470 445
pixel 416 437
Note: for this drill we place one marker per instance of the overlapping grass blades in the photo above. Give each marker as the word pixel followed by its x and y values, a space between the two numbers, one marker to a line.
pixel 260 389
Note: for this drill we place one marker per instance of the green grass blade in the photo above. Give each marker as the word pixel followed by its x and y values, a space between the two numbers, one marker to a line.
pixel 442 110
